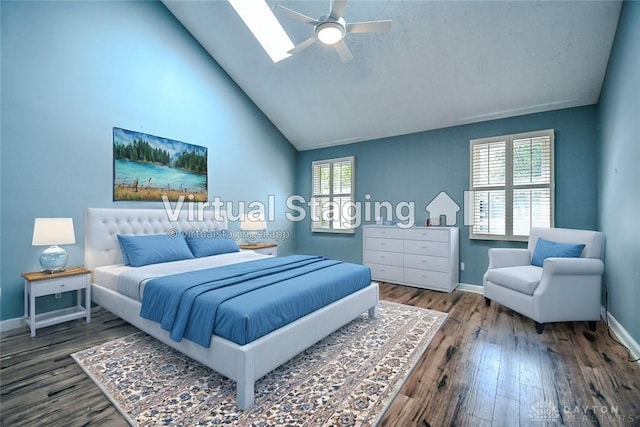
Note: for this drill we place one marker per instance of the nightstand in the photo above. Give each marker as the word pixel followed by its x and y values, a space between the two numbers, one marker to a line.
pixel 37 284
pixel 261 248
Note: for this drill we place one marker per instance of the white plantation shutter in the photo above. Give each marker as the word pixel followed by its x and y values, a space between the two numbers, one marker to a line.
pixel 489 185
pixel 332 194
pixel 512 185
pixel 532 177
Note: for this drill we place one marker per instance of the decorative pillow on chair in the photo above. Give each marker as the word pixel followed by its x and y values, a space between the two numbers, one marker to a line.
pixel 209 245
pixel 145 249
pixel 547 249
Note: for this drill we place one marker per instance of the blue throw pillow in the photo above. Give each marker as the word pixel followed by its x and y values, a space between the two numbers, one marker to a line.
pixel 139 250
pixel 202 246
pixel 547 249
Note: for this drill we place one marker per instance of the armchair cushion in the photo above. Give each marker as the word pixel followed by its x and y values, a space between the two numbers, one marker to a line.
pixel 524 279
pixel 548 249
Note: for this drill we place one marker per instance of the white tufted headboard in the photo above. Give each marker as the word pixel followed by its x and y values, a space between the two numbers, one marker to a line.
pixel 101 227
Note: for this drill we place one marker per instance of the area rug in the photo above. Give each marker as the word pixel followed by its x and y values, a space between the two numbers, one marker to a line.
pixel 348 378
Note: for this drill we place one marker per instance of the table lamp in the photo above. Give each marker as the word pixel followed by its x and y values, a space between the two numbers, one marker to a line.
pixel 53 232
pixel 252 226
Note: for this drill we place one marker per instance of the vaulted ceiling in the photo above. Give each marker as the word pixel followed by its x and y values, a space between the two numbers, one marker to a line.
pixel 444 63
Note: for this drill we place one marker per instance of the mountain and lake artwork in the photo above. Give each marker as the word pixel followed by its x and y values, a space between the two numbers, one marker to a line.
pixel 147 167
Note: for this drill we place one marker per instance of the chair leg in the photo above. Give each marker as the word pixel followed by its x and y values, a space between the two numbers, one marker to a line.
pixel 592 325
pixel 487 301
pixel 539 327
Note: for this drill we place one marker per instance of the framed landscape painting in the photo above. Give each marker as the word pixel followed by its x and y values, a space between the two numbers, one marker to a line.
pixel 147 167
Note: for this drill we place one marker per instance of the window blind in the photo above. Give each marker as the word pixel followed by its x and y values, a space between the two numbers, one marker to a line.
pixel 512 185
pixel 332 195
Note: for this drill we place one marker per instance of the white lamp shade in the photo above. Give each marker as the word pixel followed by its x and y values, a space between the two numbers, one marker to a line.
pixel 249 223
pixel 53 231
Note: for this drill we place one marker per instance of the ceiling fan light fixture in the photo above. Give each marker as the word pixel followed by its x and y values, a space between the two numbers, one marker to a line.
pixel 330 33
pixel 331 29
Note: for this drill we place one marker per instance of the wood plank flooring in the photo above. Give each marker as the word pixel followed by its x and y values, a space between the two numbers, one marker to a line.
pixel 486 366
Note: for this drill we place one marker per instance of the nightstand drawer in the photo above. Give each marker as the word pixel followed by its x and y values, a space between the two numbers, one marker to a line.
pixel 261 248
pixel 59 285
pixel 268 251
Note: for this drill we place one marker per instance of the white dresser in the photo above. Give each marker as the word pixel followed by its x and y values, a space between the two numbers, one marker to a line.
pixel 425 257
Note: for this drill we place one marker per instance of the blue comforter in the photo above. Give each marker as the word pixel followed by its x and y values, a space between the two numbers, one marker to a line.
pixel 242 302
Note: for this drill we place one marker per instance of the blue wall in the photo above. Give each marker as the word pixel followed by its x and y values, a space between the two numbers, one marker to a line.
pixel 73 70
pixel 417 167
pixel 619 182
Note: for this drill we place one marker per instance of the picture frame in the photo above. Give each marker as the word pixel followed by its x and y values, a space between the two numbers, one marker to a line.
pixel 148 167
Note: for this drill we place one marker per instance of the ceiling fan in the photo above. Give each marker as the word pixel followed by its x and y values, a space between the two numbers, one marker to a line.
pixel 331 29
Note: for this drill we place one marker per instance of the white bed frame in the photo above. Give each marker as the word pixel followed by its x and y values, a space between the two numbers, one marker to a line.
pixel 244 364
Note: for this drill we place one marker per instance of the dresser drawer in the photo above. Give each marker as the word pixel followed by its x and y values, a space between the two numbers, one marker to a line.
pixel 377 244
pixel 391 273
pixel 381 257
pixel 425 247
pixel 384 232
pixel 55 286
pixel 428 279
pixel 432 234
pixel 426 262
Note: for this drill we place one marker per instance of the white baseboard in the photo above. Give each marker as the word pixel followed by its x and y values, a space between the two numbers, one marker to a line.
pixel 622 335
pixel 18 322
pixel 11 324
pixel 465 287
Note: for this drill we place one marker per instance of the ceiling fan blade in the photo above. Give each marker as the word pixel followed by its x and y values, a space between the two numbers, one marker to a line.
pixel 343 51
pixel 303 45
pixel 295 15
pixel 369 27
pixel 337 8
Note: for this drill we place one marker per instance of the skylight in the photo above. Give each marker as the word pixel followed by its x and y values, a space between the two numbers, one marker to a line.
pixel 257 15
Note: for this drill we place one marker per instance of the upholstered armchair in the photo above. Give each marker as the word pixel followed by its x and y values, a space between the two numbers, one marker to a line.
pixel 565 285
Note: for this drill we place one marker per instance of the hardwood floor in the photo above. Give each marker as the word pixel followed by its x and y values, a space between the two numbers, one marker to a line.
pixel 41 385
pixel 486 366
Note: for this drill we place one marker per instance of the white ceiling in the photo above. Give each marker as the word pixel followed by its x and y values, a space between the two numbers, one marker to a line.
pixel 443 64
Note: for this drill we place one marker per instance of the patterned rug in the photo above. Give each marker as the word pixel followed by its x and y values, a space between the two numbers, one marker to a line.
pixel 348 378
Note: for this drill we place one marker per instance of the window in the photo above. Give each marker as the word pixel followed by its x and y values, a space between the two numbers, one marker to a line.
pixel 512 185
pixel 332 199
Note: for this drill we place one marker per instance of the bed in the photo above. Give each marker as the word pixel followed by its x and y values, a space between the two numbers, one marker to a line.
pixel 243 364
